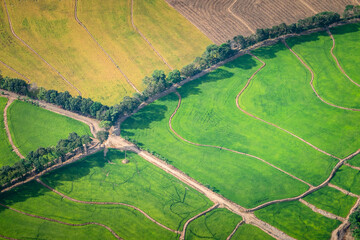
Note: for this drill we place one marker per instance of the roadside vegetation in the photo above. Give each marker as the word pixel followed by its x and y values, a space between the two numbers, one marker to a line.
pixel 355 223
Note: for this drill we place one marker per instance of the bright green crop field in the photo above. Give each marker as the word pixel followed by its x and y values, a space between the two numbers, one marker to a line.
pixel 250 232
pixel 7 156
pixel 298 221
pixel 32 127
pixel 348 179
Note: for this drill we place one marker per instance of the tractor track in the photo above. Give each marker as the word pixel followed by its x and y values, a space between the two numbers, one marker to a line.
pixel 238 18
pixel 12 69
pixel 235 229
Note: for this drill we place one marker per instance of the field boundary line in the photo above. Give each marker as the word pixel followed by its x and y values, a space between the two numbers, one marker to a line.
pixel 308 6
pixel 12 69
pixel 312 80
pixel 64 223
pixel 107 54
pixel 336 60
pixel 105 203
pixel 15 149
pixel 27 45
pixel 235 229
pixel 182 236
pixel 272 124
pixel 146 40
pixel 239 18
pixel 227 149
pixel 346 192
pixel 321 211
pixel 353 167
pixel 10 238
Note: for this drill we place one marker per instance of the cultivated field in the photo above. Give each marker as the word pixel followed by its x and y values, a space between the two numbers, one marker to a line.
pixel 40 127
pixel 225 128
pixel 222 20
pixel 7 156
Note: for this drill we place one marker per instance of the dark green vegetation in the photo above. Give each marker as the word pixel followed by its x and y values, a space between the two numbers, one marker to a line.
pixel 217 224
pixel 138 183
pixel 298 221
pixel 7 156
pixel 250 232
pixel 348 179
pixel 355 223
pixel 332 200
pixel 32 127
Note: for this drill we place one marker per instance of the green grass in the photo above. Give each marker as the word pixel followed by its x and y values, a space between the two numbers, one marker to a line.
pixel 16 225
pixel 298 221
pixel 250 232
pixel 33 198
pixel 176 38
pixel 355 161
pixel 32 127
pixel 332 200
pixel 138 183
pixel 217 224
pixel 347 49
pixel 330 82
pixel 280 93
pixel 7 156
pixel 348 179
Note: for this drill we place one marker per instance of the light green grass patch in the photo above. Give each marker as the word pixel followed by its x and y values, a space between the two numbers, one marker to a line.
pixel 330 82
pixel 348 179
pixel 250 232
pixel 7 155
pixel 34 198
pixel 355 161
pixel 138 183
pixel 347 49
pixel 32 127
pixel 298 221
pixel 216 224
pixel 332 200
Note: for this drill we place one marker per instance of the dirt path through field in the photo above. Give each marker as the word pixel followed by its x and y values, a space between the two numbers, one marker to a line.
pixel 235 229
pixel 343 190
pixel 105 203
pixel 21 75
pixel 182 236
pixel 146 40
pixel 322 212
pixel 272 124
pixel 2 236
pixel 61 222
pixel 15 149
pixel 353 167
pixel 17 37
pixel 102 49
pixel 238 18
pixel 312 80
pixel 336 60
pixel 308 6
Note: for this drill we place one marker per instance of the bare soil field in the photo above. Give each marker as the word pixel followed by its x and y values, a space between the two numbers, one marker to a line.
pixel 221 20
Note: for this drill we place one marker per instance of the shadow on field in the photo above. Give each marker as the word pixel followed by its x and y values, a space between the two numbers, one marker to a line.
pixel 349 28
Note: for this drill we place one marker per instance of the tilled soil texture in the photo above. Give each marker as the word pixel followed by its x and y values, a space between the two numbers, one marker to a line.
pixel 221 20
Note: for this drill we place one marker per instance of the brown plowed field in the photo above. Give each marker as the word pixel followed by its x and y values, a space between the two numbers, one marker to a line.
pixel 221 20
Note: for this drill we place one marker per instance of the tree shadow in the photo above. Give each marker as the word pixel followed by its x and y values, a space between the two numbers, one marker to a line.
pixel 345 29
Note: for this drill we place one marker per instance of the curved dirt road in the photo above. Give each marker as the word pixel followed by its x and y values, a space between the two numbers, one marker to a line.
pixel 64 223
pixel 146 40
pixel 336 60
pixel 15 149
pixel 17 37
pixel 240 19
pixel 102 49
pixel 105 203
pixel 312 80
pixel 27 79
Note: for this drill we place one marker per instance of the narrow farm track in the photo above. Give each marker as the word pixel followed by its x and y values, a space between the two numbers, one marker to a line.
pixel 238 18
pixel 322 212
pixel 102 49
pixel 27 79
pixel 272 124
pixel 15 149
pixel 146 40
pixel 308 6
pixel 312 80
pixel 105 203
pixel 227 149
pixel 343 190
pixel 336 60
pixel 64 223
pixel 37 54
pixel 235 229
pixel 182 236
pixel 312 189
pixel 2 236
pixel 353 167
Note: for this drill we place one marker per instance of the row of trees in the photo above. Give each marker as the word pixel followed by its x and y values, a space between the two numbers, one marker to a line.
pixel 38 160
pixel 351 11
pixel 354 220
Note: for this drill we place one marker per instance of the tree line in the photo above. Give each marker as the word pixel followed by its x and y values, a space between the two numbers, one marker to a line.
pixel 42 158
pixel 159 81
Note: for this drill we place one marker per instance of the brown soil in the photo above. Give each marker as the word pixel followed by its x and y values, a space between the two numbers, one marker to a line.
pixel 22 41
